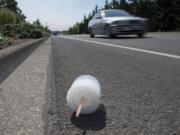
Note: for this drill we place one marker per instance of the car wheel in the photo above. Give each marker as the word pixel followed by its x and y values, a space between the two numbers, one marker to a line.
pixel 108 32
pixel 140 35
pixel 112 35
pixel 91 33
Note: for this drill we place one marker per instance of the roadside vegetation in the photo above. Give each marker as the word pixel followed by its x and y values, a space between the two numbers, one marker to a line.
pixel 13 25
pixel 163 15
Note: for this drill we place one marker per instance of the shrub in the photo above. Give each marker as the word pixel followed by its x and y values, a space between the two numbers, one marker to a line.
pixel 1 39
pixel 24 34
pixel 23 30
pixel 37 34
pixel 8 17
pixel 7 30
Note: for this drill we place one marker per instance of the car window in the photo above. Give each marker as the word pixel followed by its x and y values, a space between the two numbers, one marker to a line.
pixel 116 13
pixel 97 16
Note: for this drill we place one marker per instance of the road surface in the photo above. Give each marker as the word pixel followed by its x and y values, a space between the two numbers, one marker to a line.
pixel 140 80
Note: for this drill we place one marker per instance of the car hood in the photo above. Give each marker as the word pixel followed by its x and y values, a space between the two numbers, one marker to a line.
pixel 112 19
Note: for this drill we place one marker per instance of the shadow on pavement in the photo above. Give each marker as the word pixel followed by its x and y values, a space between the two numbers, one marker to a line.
pixel 123 37
pixel 94 121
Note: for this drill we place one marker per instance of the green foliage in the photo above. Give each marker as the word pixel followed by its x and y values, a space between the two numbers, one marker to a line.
pixel 10 4
pixel 13 6
pixel 8 17
pixel 6 30
pixel 13 24
pixel 24 30
pixel 3 42
pixel 75 29
pixel 1 38
pixel 37 34
pixel 168 14
pixel 163 15
pixel 82 27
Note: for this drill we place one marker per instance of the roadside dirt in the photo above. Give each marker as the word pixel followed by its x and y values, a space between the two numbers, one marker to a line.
pixel 12 42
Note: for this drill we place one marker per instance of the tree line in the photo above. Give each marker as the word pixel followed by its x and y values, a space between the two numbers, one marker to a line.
pixel 13 23
pixel 163 15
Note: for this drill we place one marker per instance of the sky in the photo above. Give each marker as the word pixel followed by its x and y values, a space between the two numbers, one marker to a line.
pixel 57 14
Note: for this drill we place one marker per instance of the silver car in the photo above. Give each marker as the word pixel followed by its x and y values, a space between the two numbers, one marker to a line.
pixel 116 22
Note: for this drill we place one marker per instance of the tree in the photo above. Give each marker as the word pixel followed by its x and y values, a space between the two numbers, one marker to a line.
pixel 10 4
pixel 37 23
pixel 115 4
pixel 13 6
pixel 8 17
pixel 167 14
pixel 107 5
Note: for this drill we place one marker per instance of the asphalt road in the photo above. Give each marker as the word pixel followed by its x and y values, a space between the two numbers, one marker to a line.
pixel 140 84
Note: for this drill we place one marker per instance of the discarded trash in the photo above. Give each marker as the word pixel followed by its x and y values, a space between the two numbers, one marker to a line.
pixel 84 95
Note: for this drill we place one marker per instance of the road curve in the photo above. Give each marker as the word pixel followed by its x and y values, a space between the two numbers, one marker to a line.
pixel 140 91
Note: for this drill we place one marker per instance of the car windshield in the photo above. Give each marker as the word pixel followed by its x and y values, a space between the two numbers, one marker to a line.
pixel 116 13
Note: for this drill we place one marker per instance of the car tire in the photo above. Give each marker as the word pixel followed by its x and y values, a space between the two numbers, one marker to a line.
pixel 140 35
pixel 108 32
pixel 91 33
pixel 112 35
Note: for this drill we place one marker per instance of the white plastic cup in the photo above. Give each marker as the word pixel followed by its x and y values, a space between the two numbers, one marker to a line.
pixel 88 88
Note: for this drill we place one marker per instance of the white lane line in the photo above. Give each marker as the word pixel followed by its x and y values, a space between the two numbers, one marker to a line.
pixel 128 48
